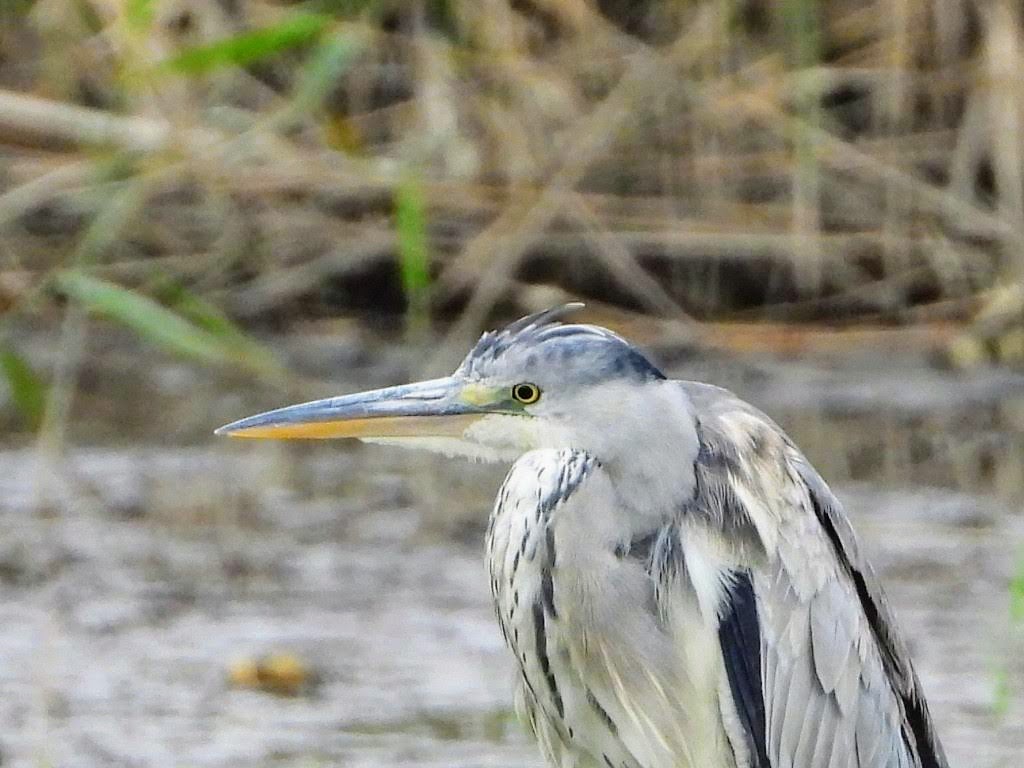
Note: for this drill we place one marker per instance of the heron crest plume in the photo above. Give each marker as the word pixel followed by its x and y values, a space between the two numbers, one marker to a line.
pixel 542 339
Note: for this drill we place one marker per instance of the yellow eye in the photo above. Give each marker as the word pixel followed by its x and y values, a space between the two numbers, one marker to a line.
pixel 526 393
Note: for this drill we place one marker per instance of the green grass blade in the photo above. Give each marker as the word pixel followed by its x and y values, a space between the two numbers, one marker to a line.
pixel 413 253
pixel 236 343
pixel 248 47
pixel 145 317
pixel 28 392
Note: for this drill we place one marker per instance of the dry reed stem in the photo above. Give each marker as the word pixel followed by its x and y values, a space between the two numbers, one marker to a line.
pixel 960 213
pixel 44 121
pixel 643 79
pixel 722 117
pixel 621 263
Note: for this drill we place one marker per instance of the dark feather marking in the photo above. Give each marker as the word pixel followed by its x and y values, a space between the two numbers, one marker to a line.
pixel 641 547
pixel 602 713
pixel 547 584
pixel 541 641
pixel 526 679
pixel 739 633
pixel 547 592
pixel 549 540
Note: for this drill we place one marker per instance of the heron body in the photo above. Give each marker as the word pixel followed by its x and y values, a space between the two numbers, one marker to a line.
pixel 678 585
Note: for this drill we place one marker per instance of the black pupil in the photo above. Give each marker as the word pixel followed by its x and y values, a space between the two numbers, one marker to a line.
pixel 524 392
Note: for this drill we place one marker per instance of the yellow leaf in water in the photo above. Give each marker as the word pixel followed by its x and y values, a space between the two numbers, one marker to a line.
pixel 280 672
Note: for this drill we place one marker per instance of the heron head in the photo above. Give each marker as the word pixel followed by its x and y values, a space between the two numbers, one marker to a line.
pixel 537 383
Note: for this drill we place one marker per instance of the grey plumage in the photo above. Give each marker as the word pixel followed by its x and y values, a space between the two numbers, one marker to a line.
pixel 678 585
pixel 838 687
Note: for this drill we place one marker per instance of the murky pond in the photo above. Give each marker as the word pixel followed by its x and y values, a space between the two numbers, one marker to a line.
pixel 133 578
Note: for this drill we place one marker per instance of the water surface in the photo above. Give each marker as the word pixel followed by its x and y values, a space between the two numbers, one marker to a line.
pixel 134 576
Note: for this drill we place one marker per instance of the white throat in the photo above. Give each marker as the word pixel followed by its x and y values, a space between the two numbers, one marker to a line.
pixel 647 442
pixel 643 435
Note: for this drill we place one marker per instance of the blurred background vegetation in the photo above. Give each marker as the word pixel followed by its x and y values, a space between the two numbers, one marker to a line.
pixel 208 207
pixel 252 165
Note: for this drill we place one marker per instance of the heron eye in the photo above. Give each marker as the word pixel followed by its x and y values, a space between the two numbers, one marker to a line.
pixel 526 393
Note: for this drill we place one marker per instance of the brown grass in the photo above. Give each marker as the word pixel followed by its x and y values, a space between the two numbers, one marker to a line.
pixel 687 159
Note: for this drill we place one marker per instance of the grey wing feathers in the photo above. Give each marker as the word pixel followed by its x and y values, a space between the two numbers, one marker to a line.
pixel 838 686
pixel 828 702
pixel 899 669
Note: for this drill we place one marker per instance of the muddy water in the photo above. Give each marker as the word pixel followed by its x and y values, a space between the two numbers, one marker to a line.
pixel 133 577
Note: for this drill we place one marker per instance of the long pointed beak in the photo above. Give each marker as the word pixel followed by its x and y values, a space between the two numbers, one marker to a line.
pixel 433 408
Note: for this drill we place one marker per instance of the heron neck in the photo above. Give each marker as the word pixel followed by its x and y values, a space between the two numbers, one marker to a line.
pixel 647 443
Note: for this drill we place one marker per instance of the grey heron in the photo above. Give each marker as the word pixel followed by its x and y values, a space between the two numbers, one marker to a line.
pixel 679 586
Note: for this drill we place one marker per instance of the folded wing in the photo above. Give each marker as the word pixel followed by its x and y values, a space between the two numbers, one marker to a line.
pixel 818 647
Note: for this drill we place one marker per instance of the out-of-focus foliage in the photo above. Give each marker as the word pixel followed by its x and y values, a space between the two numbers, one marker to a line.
pixel 27 390
pixel 801 161
pixel 248 47
pixel 139 14
pixel 196 329
pixel 330 59
pixel 410 220
pixel 808 159
pixel 1017 592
